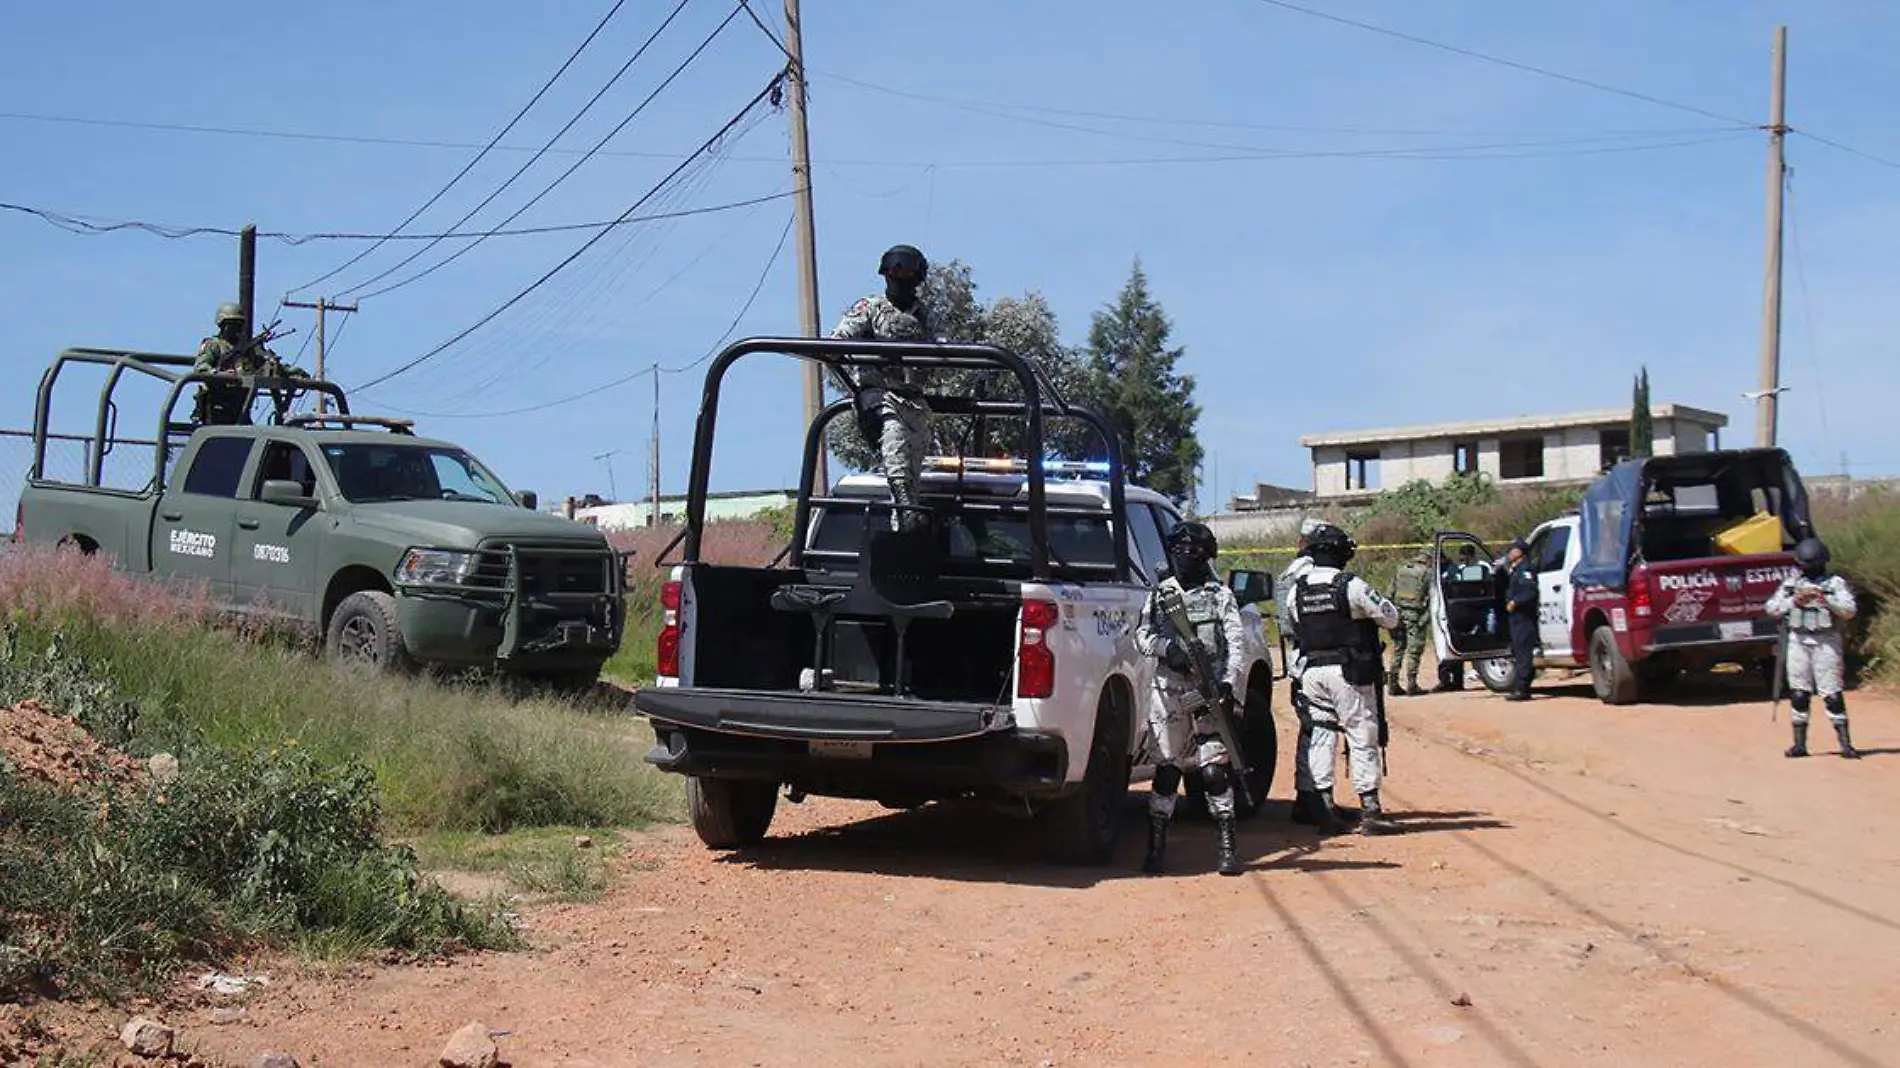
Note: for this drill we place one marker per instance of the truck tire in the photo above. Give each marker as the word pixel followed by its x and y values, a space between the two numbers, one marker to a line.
pixel 1610 675
pixel 731 813
pixel 363 630
pixel 1495 673
pixel 1081 828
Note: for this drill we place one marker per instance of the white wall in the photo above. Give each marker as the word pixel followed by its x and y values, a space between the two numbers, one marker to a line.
pixel 1404 461
pixel 1329 471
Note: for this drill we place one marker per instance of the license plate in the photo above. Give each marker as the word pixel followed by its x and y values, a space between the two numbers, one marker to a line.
pixel 842 750
pixel 1732 631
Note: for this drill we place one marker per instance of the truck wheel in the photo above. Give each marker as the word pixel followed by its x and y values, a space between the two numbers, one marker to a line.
pixel 1496 673
pixel 1611 675
pixel 363 630
pixel 1081 828
pixel 731 813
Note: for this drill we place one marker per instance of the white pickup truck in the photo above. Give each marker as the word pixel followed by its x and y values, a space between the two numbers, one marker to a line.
pixel 992 657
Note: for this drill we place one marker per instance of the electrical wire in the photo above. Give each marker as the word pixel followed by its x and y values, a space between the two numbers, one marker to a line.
pixel 1849 149
pixel 1807 309
pixel 655 368
pixel 767 31
pixel 770 88
pixel 479 156
pixel 1501 61
pixel 564 175
pixel 534 159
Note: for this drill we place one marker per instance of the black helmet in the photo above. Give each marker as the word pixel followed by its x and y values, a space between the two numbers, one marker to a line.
pixel 230 312
pixel 1330 545
pixel 905 258
pixel 1193 541
pixel 1811 555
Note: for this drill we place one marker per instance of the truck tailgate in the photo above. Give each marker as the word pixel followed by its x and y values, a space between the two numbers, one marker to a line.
pixel 823 716
pixel 1714 600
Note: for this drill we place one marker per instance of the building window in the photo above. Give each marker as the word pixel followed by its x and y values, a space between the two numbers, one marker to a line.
pixel 1613 447
pixel 1521 458
pixel 1359 470
pixel 1464 457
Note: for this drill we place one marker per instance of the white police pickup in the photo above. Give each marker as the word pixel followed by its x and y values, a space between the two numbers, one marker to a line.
pixel 865 667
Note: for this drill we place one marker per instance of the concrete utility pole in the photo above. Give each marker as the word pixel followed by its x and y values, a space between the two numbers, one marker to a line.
pixel 322 305
pixel 247 277
pixel 1767 404
pixel 802 220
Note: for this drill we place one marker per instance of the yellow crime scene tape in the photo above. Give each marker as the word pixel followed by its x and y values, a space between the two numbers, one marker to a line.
pixel 1289 550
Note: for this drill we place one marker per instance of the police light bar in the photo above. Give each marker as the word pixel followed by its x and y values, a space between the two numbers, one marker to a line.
pixel 1014 465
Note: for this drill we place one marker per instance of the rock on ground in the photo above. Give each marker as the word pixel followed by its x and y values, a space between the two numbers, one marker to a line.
pixel 147 1038
pixel 470 1048
pixel 275 1059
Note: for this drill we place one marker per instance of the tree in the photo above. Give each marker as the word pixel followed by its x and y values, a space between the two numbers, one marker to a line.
pixel 1024 325
pixel 1642 421
pixel 1134 380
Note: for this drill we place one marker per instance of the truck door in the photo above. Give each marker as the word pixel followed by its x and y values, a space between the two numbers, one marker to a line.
pixel 1467 599
pixel 274 563
pixel 1550 548
pixel 191 534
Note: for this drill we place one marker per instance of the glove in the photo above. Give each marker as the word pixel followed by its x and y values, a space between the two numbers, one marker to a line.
pixel 1227 692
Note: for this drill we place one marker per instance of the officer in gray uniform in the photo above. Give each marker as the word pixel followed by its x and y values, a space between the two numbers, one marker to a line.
pixel 1815 604
pixel 1335 614
pixel 1187 737
pixel 891 412
pixel 1303 811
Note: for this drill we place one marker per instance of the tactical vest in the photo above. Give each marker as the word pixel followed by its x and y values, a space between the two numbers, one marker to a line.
pixel 1203 612
pixel 1325 625
pixel 1412 587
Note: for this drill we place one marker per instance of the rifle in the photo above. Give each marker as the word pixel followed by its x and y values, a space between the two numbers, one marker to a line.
pixel 1378 704
pixel 1174 604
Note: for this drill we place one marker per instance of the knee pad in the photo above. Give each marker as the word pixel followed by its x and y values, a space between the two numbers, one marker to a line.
pixel 1800 700
pixel 1836 704
pixel 1214 779
pixel 1167 779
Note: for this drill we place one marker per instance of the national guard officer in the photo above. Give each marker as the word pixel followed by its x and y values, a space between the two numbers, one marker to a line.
pixel 1303 811
pixel 891 413
pixel 1411 591
pixel 1815 604
pixel 1520 608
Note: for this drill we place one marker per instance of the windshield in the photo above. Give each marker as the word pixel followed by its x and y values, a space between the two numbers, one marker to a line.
pixel 386 471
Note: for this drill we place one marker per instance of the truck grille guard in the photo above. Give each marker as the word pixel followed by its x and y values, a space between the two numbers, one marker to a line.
pixel 580 587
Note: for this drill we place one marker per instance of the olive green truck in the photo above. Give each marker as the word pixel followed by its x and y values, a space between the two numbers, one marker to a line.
pixel 397 550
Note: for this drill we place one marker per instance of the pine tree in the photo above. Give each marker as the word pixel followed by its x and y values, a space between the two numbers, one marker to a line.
pixel 1134 380
pixel 1642 421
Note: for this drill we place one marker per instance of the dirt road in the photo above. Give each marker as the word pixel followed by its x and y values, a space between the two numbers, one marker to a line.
pixel 1576 885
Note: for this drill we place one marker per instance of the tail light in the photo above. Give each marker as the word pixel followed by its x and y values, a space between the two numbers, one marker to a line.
pixel 1035 661
pixel 668 651
pixel 1639 592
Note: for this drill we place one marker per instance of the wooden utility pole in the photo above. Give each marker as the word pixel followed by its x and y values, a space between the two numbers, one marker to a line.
pixel 1767 404
pixel 322 305
pixel 802 220
pixel 653 489
pixel 247 277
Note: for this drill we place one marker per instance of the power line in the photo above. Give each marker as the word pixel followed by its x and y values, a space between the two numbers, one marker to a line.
pixel 1849 149
pixel 479 156
pixel 765 29
pixel 536 158
pixel 564 175
pixel 1545 72
pixel 770 88
pixel 655 368
pixel 89 226
pixel 1807 308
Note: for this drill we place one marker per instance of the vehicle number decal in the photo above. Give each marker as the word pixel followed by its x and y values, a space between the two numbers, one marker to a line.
pixel 271 554
pixel 1112 623
pixel 194 543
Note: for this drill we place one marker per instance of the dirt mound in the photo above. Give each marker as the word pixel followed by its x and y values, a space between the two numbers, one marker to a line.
pixel 48 748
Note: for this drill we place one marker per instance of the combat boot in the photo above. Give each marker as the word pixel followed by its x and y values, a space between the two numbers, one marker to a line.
pixel 1229 862
pixel 1371 817
pixel 1305 807
pixel 1800 746
pixel 1395 689
pixel 1157 843
pixel 1325 817
pixel 1847 743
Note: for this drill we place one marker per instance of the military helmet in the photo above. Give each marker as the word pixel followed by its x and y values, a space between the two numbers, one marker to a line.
pixel 906 258
pixel 230 312
pixel 1193 540
pixel 1811 555
pixel 1332 542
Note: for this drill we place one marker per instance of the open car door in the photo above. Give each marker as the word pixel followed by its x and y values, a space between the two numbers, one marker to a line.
pixel 1467 599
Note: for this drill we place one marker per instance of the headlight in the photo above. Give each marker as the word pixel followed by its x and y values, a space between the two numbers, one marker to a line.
pixel 435 567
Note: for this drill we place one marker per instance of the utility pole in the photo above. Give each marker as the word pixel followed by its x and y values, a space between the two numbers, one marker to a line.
pixel 322 305
pixel 653 513
pixel 607 457
pixel 247 277
pixel 1767 404
pixel 802 220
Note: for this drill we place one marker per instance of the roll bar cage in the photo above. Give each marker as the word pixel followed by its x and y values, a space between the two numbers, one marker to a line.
pixel 1041 401
pixel 176 370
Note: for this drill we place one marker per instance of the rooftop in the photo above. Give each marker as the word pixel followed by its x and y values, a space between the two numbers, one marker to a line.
pixel 1523 424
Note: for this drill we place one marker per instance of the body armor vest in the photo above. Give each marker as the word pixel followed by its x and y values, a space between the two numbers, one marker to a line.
pixel 1325 626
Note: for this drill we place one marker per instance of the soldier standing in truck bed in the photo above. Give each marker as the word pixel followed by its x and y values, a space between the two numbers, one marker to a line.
pixel 891 412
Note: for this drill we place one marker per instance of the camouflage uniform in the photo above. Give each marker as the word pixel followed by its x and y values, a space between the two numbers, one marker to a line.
pixel 905 432
pixel 223 402
pixel 1411 591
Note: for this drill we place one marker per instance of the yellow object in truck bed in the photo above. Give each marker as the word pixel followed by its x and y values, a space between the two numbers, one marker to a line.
pixel 1759 533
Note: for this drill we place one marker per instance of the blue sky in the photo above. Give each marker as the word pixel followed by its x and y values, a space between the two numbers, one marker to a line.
pixel 1337 287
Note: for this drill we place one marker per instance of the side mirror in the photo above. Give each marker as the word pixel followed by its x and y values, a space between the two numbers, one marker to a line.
pixel 1250 587
pixel 527 499
pixel 288 493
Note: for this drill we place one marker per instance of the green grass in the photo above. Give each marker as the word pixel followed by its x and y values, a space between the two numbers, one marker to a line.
pixel 542 861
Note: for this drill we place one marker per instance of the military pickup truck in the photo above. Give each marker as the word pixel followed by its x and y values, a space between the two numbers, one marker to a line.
pixel 398 550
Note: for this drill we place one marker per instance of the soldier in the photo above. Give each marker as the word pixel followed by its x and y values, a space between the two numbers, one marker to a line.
pixel 891 413
pixel 1520 608
pixel 1411 591
pixel 1335 614
pixel 1185 734
pixel 226 352
pixel 1814 604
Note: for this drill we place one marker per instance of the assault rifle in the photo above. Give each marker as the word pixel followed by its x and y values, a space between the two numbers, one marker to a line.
pixel 1201 667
